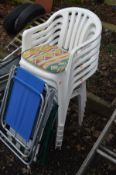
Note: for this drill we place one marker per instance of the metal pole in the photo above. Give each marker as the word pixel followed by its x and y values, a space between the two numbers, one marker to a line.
pixel 97 143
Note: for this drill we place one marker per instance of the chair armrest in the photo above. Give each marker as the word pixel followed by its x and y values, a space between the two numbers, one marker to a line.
pixel 86 46
pixel 84 50
pixel 28 36
pixel 43 31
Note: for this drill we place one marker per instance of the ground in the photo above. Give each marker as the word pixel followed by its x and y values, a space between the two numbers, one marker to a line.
pixel 77 141
pixel 103 83
pixel 5 8
pixel 106 13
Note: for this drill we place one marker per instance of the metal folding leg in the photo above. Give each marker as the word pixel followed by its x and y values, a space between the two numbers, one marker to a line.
pixel 99 148
pixel 5 66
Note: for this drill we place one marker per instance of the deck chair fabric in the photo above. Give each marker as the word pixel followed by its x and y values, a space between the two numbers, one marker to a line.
pixel 24 103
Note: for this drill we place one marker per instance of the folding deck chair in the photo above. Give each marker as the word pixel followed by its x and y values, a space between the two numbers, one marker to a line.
pixel 25 112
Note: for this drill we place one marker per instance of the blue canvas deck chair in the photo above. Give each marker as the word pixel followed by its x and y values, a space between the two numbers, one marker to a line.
pixel 25 110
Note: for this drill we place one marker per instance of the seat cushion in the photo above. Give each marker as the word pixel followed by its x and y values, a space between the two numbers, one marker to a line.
pixel 47 57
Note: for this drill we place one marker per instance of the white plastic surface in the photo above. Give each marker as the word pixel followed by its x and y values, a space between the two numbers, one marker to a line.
pixel 78 31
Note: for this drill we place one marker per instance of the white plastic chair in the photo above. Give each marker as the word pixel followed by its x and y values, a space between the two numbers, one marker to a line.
pixel 78 31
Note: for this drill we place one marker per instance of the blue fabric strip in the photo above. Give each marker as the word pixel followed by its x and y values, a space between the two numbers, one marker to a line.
pixel 24 102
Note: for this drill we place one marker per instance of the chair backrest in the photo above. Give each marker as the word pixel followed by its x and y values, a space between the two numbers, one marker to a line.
pixel 78 27
pixel 75 26
pixel 66 28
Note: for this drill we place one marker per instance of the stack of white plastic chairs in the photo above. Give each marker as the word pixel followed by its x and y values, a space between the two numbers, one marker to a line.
pixel 78 31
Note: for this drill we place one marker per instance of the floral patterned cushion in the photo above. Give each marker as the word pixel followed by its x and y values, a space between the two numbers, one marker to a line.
pixel 47 57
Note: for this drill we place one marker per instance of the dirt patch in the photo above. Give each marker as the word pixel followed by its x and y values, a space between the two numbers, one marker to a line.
pixel 103 82
pixel 105 12
pixel 5 8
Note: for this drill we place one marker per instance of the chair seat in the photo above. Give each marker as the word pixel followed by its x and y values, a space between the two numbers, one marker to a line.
pixel 47 57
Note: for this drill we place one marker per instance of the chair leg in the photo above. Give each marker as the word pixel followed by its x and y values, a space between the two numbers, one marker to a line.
pixel 59 136
pixel 81 102
pixel 62 114
pixel 63 103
